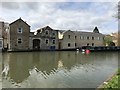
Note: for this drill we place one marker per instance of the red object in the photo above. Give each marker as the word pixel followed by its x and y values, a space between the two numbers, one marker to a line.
pixel 87 51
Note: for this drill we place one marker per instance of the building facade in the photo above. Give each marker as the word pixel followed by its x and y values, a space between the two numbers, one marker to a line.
pixel 19 35
pixel 116 38
pixel 4 27
pixel 20 38
pixel 76 39
pixel 1 36
pixel 44 39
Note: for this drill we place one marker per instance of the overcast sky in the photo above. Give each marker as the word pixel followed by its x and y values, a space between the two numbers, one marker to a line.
pixel 80 16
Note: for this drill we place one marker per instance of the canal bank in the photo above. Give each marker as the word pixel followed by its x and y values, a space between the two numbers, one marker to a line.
pixel 111 83
pixel 81 49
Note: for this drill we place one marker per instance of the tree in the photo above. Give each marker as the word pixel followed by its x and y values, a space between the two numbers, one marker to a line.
pixel 107 40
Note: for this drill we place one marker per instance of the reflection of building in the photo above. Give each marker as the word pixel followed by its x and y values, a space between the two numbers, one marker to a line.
pixel 19 37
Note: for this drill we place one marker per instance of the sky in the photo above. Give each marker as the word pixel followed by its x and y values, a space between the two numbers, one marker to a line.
pixel 76 16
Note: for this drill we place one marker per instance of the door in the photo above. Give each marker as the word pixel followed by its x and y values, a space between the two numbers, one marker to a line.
pixel 36 44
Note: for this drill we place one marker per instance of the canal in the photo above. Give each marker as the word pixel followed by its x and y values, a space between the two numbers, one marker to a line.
pixel 63 69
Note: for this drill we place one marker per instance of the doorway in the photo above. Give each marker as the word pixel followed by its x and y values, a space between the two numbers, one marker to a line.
pixel 36 44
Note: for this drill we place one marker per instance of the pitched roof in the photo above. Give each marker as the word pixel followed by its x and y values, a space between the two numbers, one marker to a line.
pixel 87 33
pixel 96 30
pixel 47 27
pixel 19 20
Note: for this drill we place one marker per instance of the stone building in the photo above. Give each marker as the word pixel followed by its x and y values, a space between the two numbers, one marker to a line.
pixel 4 28
pixel 116 38
pixel 76 39
pixel 1 36
pixel 19 35
pixel 67 40
pixel 20 38
pixel 44 39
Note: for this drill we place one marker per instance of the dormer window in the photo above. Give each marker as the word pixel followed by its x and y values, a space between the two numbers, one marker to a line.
pixel 19 30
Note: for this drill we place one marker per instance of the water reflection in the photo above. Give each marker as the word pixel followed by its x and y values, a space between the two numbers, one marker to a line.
pixel 57 69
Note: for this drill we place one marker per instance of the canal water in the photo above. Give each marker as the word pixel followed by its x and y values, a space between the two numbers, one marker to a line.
pixel 63 69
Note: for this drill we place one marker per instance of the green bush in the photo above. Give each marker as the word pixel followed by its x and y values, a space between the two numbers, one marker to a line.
pixel 113 83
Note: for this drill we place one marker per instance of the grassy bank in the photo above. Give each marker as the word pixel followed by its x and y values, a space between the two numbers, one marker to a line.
pixel 113 83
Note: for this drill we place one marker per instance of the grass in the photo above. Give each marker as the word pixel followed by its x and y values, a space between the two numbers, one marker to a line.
pixel 113 83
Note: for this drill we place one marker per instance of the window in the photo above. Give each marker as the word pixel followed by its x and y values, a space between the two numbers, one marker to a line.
pixel 0 44
pixel 75 44
pixel 53 41
pixel 53 34
pixel 81 37
pixel 19 30
pixel 87 38
pixel 92 38
pixel 47 41
pixel 92 44
pixel 103 38
pixel 46 32
pixel 75 37
pixel 98 38
pixel 19 40
pixel 68 44
pixel 87 44
pixel 69 36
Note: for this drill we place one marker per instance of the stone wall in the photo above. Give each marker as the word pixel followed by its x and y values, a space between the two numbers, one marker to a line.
pixel 78 39
pixel 15 35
